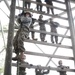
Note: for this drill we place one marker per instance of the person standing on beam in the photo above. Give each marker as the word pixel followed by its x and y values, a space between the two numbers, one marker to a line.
pixel 62 67
pixel 27 4
pixel 49 2
pixel 53 26
pixel 39 6
pixel 42 28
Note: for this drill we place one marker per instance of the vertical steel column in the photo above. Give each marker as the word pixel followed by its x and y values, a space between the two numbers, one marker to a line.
pixel 71 24
pixel 23 4
pixel 8 64
pixel 17 65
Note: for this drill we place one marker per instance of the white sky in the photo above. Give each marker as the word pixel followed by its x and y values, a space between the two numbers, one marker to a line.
pixel 46 49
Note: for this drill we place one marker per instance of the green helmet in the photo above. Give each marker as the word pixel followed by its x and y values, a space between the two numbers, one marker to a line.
pixel 27 12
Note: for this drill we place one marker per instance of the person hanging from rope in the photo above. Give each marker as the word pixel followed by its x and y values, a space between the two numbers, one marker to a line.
pixel 39 71
pixel 39 7
pixel 25 20
pixel 62 67
pixel 53 26
pixel 32 27
pixel 27 4
pixel 42 28
pixel 49 2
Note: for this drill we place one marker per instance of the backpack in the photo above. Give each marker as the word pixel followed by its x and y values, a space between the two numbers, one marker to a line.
pixel 56 24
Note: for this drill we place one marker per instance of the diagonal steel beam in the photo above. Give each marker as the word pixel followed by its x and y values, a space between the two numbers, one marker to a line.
pixel 44 53
pixel 7 4
pixel 56 49
pixel 2 33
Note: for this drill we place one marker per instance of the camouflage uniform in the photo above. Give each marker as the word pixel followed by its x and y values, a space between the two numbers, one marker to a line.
pixel 22 33
pixel 39 7
pixel 53 26
pixel 42 28
pixel 62 72
pixel 49 2
pixel 62 67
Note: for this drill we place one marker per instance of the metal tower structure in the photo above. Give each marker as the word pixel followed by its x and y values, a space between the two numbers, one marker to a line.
pixel 69 18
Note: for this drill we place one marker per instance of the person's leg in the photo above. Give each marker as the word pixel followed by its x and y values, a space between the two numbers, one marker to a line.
pixel 52 11
pixel 22 56
pixel 26 5
pixel 37 7
pixel 48 10
pixel 32 34
pixel 41 8
pixel 56 39
pixel 41 36
pixel 21 39
pixel 22 72
pixel 52 39
pixel 15 45
pixel 47 7
pixel 33 37
pixel 23 35
pixel 52 8
pixel 29 5
pixel 44 35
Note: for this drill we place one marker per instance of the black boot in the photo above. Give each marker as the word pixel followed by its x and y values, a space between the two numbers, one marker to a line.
pixel 15 58
pixel 35 39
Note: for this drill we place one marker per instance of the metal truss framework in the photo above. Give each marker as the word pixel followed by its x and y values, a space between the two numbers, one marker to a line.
pixel 11 28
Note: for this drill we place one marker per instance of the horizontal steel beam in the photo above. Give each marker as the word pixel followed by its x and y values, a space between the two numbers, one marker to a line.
pixel 62 26
pixel 50 33
pixel 48 44
pixel 42 67
pixel 58 1
pixel 47 5
pixel 52 0
pixel 1 0
pixel 38 12
pixel 48 55
pixel 72 1
pixel 73 8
